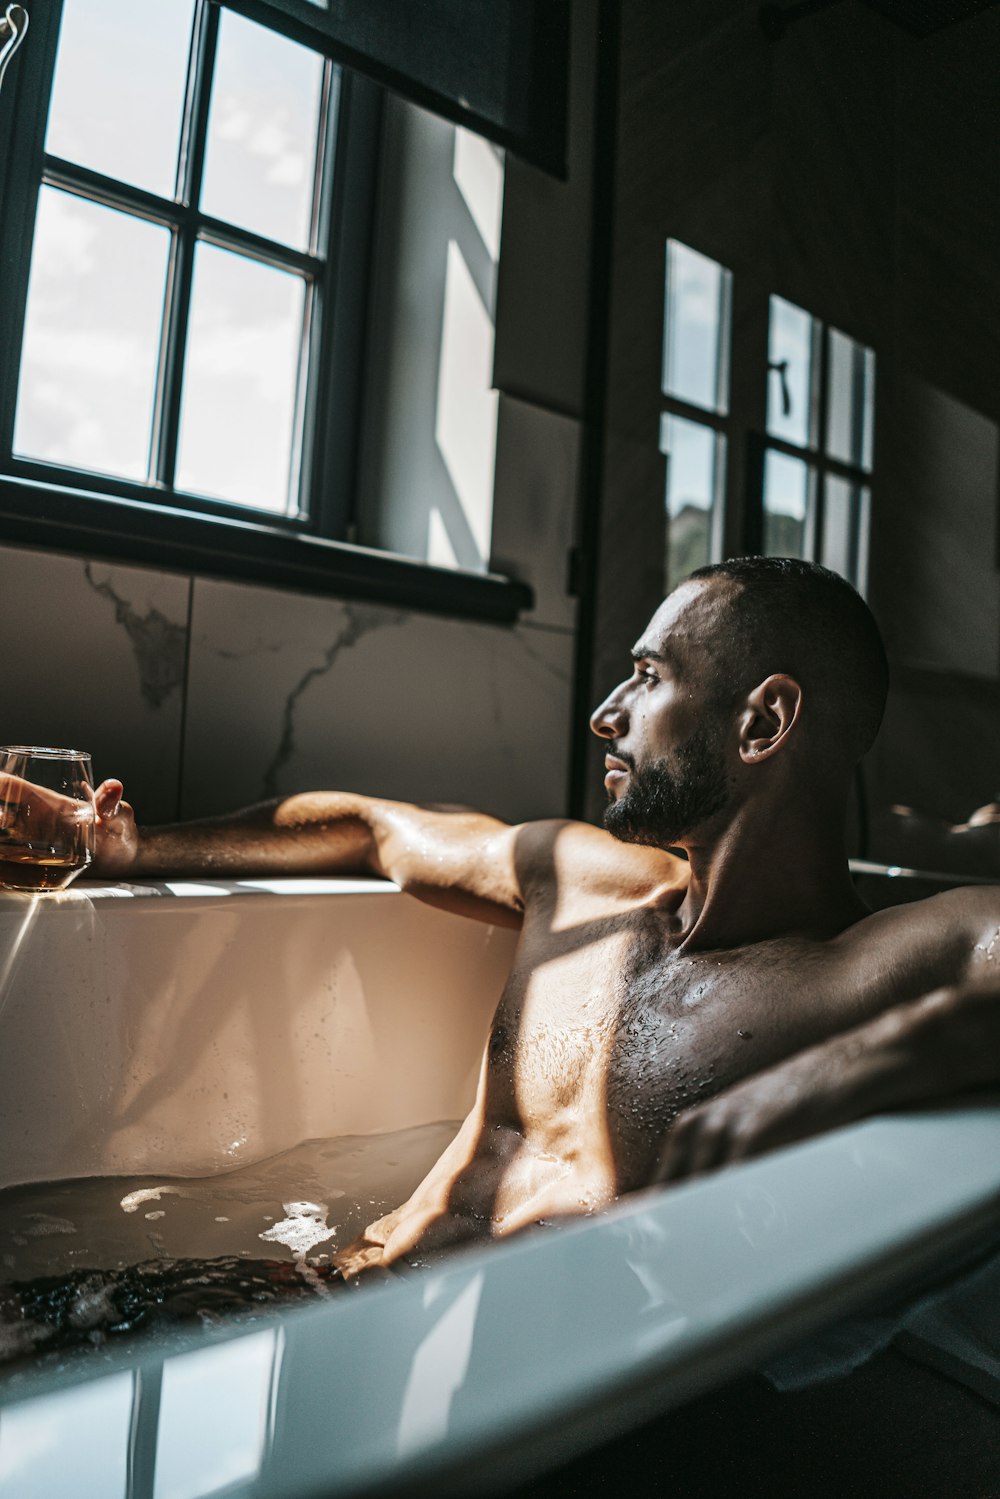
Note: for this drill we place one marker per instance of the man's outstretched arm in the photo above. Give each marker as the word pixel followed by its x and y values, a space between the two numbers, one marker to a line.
pixel 942 1045
pixel 463 861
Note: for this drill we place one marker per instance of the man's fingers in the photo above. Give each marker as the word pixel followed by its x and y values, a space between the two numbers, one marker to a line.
pixel 701 1139
pixel 675 1159
pixel 108 798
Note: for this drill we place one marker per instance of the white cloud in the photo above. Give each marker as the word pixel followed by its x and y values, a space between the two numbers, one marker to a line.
pixel 103 354
pixel 64 238
pixel 267 138
pixel 288 171
pixel 235 121
pixel 263 354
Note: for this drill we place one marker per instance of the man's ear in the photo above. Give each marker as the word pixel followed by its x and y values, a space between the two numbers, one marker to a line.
pixel 772 711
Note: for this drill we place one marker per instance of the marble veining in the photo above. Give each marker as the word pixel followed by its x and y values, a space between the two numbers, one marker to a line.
pixel 159 643
pixel 357 624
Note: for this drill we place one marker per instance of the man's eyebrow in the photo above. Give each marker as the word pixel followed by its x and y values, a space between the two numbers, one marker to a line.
pixel 663 655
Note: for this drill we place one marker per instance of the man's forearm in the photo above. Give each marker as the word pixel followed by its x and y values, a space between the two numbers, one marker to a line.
pixel 936 1047
pixel 322 832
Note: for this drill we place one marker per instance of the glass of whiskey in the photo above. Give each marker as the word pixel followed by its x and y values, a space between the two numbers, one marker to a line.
pixel 47 817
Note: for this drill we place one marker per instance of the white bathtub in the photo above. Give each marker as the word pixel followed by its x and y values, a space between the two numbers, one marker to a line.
pixel 185 1029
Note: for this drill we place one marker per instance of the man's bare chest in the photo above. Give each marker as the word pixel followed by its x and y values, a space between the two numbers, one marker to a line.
pixel 613 1029
pixel 625 1014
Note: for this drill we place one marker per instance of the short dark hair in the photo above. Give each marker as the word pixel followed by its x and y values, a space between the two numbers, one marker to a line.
pixel 786 615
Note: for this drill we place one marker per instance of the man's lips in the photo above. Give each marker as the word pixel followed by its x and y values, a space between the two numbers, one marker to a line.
pixel 615 770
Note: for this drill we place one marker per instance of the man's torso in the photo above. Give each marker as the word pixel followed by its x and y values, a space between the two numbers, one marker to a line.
pixel 607 1029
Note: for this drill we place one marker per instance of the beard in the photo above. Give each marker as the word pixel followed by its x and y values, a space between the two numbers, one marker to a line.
pixel 668 799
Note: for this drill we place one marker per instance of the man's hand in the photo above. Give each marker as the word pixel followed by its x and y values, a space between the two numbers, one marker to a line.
pixel 797 1098
pixel 36 816
pixel 116 835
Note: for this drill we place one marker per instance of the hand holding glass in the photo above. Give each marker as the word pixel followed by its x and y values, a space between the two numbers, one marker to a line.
pixel 47 817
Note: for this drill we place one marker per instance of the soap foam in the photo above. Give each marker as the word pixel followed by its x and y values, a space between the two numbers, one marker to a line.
pixel 133 1200
pixel 303 1229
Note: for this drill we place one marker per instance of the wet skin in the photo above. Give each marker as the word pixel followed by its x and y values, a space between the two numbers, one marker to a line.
pixel 609 1028
pixel 645 987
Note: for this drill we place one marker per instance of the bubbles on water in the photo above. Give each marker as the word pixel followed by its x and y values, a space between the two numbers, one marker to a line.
pixel 133 1200
pixel 117 1225
pixel 304 1227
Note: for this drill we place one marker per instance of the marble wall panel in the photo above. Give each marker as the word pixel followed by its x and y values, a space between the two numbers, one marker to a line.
pixel 535 505
pixel 94 658
pixel 289 692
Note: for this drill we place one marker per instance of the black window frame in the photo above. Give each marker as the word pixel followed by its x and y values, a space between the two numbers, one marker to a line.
pixel 820 464
pixel 718 419
pixel 46 505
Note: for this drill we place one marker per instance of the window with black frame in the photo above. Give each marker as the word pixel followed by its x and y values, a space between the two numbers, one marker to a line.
pixel 187 226
pixel 695 424
pixel 809 477
pixel 816 494
pixel 173 318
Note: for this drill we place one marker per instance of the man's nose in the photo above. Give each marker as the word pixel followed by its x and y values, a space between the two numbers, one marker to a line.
pixel 610 721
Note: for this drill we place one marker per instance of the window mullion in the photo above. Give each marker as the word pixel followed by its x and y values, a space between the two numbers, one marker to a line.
pixel 822 411
pixel 177 302
pixel 98 188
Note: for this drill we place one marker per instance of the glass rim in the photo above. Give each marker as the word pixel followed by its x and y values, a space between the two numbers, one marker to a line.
pixel 44 752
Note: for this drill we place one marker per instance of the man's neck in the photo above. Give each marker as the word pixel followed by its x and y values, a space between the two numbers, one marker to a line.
pixel 768 875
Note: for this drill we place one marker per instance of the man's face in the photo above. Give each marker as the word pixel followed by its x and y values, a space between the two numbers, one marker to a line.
pixel 665 729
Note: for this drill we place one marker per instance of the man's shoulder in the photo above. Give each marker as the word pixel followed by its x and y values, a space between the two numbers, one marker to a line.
pixel 957 921
pixel 576 856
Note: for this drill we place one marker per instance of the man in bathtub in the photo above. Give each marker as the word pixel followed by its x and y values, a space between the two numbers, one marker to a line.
pixel 665 1014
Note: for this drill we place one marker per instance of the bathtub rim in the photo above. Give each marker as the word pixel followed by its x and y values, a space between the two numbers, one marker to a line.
pixel 630 1392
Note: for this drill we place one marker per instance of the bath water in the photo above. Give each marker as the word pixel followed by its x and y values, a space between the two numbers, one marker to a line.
pixel 83 1261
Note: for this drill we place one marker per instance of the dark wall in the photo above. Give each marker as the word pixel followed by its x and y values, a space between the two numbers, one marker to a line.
pixel 855 170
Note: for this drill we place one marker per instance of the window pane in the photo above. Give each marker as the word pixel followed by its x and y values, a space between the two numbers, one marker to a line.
pixel 851 400
pixel 240 381
pixel 786 506
pixel 791 340
pixel 119 85
pixel 260 160
pixel 696 329
pixel 839 498
pixel 845 528
pixel 92 337
pixel 693 468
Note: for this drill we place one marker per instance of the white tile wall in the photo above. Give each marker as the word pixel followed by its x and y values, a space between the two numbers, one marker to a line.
pixel 93 657
pixel 288 692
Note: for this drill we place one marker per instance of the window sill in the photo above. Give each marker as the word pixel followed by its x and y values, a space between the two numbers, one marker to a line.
pixel 153 535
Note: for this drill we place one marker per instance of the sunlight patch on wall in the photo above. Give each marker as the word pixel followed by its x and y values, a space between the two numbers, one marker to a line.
pixel 466 418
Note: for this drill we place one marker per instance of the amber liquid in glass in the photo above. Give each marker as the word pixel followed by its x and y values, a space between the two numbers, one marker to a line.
pixel 28 869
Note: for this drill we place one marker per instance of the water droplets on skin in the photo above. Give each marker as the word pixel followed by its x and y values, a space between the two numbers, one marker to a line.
pixel 989 949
